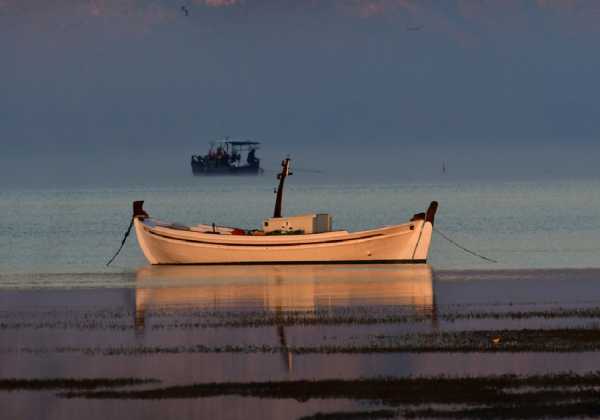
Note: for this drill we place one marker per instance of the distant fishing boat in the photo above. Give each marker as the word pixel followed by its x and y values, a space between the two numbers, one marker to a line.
pixel 283 240
pixel 228 157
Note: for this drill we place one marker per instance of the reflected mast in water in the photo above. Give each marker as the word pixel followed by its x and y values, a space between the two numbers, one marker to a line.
pixel 283 291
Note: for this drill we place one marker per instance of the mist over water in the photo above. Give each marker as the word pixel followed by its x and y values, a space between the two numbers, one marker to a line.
pixel 368 163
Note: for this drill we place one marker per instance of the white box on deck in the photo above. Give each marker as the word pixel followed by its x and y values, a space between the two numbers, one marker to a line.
pixel 308 223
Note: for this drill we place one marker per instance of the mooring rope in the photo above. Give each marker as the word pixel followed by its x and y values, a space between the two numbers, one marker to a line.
pixel 434 228
pixel 122 243
pixel 462 247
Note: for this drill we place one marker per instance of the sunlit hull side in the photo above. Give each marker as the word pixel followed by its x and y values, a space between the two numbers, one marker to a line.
pixel 405 243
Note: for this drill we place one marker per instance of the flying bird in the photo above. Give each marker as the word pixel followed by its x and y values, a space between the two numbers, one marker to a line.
pixel 415 28
pixel 185 10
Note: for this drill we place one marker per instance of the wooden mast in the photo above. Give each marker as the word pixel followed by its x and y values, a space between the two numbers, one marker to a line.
pixel 285 171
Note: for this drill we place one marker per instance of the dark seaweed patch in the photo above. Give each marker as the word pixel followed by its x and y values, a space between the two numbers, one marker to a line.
pixel 353 415
pixel 526 340
pixel 420 390
pixel 522 411
pixel 506 396
pixel 14 384
pixel 186 318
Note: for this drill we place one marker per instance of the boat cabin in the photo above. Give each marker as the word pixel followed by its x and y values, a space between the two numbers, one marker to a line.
pixel 305 224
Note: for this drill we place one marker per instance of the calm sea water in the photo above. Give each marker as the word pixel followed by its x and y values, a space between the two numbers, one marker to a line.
pixel 194 325
pixel 549 224
pixel 184 325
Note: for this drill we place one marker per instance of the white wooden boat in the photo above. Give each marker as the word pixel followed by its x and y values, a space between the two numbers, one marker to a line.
pixel 165 243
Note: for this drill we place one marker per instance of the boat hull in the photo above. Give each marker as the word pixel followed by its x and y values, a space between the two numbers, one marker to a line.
pixel 202 169
pixel 406 243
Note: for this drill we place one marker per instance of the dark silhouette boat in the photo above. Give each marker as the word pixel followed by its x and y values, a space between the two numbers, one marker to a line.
pixel 227 157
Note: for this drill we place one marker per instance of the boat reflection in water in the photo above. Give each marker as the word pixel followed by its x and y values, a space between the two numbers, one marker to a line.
pixel 287 288
pixel 282 291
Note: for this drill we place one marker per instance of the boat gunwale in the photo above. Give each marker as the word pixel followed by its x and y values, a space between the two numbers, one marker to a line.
pixel 316 262
pixel 231 245
pixel 284 240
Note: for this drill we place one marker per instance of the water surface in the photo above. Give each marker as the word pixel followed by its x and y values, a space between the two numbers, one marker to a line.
pixel 546 224
pixel 194 325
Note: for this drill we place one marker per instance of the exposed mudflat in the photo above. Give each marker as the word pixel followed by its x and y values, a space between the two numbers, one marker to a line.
pixel 310 343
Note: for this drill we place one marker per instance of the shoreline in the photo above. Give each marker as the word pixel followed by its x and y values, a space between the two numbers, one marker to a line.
pixel 127 279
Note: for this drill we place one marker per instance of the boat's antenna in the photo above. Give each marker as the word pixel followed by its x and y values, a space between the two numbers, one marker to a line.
pixel 285 171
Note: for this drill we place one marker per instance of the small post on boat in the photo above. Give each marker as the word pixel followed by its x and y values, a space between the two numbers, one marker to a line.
pixel 285 171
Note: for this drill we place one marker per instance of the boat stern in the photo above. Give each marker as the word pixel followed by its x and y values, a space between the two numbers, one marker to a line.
pixel 421 251
pixel 139 215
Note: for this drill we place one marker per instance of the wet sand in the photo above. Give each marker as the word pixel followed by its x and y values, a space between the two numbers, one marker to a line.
pixel 300 342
